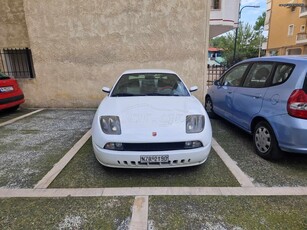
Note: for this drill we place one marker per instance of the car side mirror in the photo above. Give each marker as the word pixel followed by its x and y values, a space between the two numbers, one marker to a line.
pixel 106 89
pixel 217 83
pixel 193 89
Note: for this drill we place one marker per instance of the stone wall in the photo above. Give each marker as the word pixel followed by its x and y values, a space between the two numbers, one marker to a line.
pixel 13 28
pixel 79 46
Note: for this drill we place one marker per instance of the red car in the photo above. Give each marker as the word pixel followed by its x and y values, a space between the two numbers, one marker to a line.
pixel 11 96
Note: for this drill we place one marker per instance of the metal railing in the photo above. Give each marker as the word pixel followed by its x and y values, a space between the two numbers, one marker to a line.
pixel 301 37
pixel 17 63
pixel 215 72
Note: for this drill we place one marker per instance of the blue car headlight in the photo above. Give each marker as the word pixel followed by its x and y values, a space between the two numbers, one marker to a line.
pixel 110 125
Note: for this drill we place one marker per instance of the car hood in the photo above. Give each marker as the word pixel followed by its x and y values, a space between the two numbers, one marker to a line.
pixel 152 115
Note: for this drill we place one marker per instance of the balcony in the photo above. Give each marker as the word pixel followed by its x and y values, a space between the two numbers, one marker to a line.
pixel 303 13
pixel 225 18
pixel 301 38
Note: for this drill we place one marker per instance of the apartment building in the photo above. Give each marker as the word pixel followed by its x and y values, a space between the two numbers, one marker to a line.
pixel 224 16
pixel 63 52
pixel 286 26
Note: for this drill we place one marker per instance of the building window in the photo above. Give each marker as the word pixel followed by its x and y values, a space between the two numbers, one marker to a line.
pixel 290 30
pixel 17 63
pixel 216 4
pixel 294 51
pixel 303 28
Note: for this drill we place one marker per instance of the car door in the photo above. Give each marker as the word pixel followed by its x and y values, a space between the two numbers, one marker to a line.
pixel 248 99
pixel 224 89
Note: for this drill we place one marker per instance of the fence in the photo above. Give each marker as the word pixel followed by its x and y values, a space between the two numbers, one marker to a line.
pixel 214 73
pixel 17 63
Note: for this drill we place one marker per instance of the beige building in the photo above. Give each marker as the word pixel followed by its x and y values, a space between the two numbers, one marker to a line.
pixel 79 46
pixel 286 23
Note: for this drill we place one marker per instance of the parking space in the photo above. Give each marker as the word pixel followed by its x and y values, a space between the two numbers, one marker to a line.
pixel 30 147
pixel 212 212
pixel 290 171
pixel 66 213
pixel 87 195
pixel 84 171
pixel 8 115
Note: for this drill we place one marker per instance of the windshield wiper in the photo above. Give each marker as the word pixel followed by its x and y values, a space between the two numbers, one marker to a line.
pixel 126 95
pixel 157 94
pixel 123 95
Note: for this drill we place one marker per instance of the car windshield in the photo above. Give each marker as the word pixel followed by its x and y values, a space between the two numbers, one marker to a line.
pixel 3 76
pixel 149 84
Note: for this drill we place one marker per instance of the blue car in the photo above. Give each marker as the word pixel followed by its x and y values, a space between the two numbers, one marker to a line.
pixel 267 97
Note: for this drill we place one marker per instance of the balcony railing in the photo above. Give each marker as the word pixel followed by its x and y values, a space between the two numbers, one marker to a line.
pixel 301 38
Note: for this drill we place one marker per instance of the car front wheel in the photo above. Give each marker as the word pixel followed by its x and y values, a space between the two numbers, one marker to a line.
pixel 265 142
pixel 209 107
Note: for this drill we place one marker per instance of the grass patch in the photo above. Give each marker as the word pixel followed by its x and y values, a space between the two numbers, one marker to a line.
pixel 212 212
pixel 84 171
pixel 290 171
pixel 66 213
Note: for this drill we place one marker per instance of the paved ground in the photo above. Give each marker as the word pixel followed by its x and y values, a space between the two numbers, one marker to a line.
pixel 31 146
pixel 49 176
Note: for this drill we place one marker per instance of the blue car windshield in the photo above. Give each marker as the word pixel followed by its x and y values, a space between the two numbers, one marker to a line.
pixel 149 84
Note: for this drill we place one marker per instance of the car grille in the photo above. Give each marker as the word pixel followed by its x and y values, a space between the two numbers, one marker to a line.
pixel 173 163
pixel 153 146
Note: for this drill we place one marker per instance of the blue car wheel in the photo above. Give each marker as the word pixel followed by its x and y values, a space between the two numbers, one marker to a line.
pixel 265 142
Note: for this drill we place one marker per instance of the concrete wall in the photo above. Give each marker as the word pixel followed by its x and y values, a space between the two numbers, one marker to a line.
pixel 13 29
pixel 79 46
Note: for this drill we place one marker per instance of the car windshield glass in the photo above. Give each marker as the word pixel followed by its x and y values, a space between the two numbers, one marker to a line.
pixel 149 84
pixel 3 76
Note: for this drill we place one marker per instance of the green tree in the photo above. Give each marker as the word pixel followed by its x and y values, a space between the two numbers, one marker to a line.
pixel 248 41
pixel 260 22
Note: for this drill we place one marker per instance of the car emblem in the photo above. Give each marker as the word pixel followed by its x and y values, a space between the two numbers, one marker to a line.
pixel 154 134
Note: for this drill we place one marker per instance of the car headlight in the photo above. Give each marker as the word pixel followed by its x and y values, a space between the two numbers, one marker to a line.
pixel 110 125
pixel 195 123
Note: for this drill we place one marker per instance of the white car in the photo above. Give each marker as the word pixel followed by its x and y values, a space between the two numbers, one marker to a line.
pixel 150 120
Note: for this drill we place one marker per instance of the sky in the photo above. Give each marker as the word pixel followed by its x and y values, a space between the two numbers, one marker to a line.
pixel 250 15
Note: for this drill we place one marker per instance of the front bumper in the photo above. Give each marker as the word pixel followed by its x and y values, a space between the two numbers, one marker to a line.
pixel 10 102
pixel 131 159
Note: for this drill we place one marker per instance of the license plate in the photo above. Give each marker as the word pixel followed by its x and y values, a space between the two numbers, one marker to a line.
pixel 6 89
pixel 154 159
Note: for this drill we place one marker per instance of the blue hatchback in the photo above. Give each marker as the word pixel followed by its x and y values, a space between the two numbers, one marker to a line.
pixel 266 97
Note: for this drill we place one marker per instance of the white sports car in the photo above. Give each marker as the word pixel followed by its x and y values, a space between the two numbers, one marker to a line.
pixel 150 120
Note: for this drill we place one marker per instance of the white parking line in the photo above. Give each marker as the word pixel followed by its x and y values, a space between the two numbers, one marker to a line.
pixel 232 166
pixel 19 118
pixel 155 191
pixel 139 213
pixel 58 167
